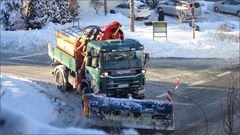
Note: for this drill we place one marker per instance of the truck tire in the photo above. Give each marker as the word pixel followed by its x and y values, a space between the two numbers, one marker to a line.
pixel 60 81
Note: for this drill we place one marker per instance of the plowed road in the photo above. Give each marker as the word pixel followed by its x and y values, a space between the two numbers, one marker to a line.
pixel 198 102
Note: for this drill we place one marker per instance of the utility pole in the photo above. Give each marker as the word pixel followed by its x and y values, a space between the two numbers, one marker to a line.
pixel 105 7
pixel 131 16
pixel 193 18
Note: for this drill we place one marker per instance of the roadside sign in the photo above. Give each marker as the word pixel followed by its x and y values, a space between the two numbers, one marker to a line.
pixel 159 29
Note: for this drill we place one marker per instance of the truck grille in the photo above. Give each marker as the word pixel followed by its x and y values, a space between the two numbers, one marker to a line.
pixel 122 86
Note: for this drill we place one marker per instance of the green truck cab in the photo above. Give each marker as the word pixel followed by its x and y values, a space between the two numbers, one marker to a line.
pixel 113 68
pixel 110 77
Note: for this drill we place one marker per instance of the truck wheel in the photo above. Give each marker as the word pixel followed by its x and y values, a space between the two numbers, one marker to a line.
pixel 60 81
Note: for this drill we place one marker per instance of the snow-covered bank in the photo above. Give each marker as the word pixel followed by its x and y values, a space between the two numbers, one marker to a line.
pixel 209 42
pixel 27 111
pixel 27 41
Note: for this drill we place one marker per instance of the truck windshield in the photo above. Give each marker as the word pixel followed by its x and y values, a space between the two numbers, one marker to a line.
pixel 118 60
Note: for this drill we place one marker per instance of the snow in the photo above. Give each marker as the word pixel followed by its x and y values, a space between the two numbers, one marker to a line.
pixel 129 132
pixel 27 111
pixel 24 97
pixel 209 42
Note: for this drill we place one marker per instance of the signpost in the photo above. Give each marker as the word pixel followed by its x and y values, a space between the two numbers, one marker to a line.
pixel 159 29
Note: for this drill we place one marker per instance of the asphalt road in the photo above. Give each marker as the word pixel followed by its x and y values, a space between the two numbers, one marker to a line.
pixel 198 103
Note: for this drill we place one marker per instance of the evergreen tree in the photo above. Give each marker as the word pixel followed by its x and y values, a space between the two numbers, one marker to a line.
pixel 38 13
pixel 11 17
pixel 65 14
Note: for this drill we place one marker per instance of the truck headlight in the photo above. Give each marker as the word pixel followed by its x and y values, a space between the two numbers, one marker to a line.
pixel 104 74
pixel 143 71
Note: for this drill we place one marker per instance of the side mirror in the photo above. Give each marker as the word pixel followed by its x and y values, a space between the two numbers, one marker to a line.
pixel 146 58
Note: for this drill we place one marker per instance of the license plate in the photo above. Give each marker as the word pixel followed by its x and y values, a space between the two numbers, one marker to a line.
pixel 123 85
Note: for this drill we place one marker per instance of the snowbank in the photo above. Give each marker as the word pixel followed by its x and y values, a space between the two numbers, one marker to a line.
pixel 27 40
pixel 27 111
pixel 20 123
pixel 209 43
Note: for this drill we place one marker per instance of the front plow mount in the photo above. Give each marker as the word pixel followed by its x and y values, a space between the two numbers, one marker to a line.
pixel 134 113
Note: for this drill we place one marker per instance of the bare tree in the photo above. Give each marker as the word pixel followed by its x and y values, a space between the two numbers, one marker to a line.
pixel 105 7
pixel 151 3
pixel 73 8
pixel 193 18
pixel 229 111
pixel 97 4
pixel 131 16
pixel 2 120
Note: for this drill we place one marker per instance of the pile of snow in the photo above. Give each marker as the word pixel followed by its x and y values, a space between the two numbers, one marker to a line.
pixel 29 41
pixel 207 6
pixel 209 42
pixel 25 110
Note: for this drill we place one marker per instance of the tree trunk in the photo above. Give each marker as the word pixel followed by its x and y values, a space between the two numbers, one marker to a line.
pixel 105 7
pixel 73 7
pixel 131 15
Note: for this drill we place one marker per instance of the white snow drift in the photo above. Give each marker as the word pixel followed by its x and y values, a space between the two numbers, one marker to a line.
pixel 209 42
pixel 27 111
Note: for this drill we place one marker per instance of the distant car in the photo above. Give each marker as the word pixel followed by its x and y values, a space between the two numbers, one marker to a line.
pixel 180 8
pixel 140 10
pixel 232 7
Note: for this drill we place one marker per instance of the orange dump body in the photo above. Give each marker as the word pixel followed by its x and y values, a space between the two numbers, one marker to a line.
pixel 66 44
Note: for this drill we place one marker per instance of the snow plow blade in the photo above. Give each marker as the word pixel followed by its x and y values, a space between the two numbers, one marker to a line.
pixel 147 114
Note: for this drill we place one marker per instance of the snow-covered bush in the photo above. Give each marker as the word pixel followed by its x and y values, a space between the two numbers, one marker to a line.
pixel 151 3
pixel 97 4
pixel 42 11
pixel 37 14
pixel 65 12
pixel 33 13
pixel 11 15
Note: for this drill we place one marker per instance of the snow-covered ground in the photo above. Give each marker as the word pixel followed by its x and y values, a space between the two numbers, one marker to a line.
pixel 209 42
pixel 27 111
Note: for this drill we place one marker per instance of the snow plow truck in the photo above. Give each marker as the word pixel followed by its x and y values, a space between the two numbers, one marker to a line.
pixel 108 72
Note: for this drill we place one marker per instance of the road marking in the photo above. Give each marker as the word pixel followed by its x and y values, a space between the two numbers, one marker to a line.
pixel 162 95
pixel 203 81
pixel 197 83
pixel 26 56
pixel 182 103
pixel 222 74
